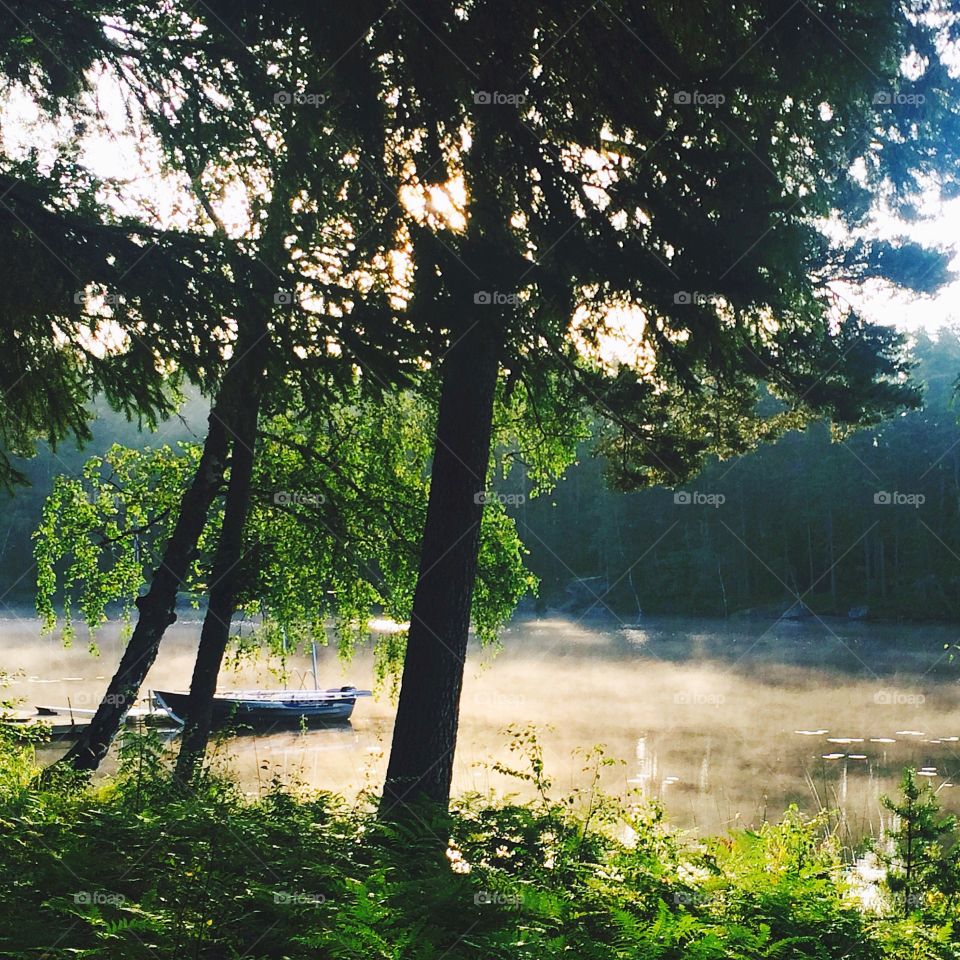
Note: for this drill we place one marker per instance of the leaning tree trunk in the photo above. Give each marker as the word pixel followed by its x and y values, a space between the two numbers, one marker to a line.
pixel 425 733
pixel 224 583
pixel 157 606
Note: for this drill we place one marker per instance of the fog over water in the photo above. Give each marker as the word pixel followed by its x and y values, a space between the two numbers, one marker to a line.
pixel 726 723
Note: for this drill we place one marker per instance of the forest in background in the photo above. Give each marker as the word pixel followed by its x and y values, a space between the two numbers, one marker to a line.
pixel 797 518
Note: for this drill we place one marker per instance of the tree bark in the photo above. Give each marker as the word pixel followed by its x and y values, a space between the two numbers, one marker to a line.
pixel 157 607
pixel 224 578
pixel 425 732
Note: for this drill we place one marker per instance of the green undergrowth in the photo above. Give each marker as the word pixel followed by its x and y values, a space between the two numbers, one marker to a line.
pixel 140 868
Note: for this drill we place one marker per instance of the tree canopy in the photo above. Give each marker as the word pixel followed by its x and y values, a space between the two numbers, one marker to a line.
pixel 339 499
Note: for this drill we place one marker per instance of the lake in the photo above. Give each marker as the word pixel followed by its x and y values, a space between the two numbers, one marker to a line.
pixel 726 723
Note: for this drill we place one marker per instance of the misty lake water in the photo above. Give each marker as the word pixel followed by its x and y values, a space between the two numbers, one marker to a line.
pixel 725 723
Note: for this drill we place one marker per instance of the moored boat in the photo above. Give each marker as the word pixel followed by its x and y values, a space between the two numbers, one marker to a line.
pixel 272 706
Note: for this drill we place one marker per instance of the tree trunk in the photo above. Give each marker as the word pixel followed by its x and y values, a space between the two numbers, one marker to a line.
pixel 157 607
pixel 425 733
pixel 224 577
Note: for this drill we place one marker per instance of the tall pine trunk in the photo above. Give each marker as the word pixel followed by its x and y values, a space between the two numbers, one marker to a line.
pixel 224 577
pixel 425 732
pixel 157 607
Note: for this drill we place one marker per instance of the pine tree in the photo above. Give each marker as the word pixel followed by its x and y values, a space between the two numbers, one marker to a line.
pixel 75 275
pixel 919 858
pixel 676 165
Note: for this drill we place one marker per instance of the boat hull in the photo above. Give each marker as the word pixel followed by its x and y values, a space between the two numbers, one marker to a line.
pixel 280 711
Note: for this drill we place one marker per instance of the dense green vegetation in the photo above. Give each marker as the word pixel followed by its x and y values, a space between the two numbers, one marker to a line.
pixel 23 505
pixel 139 868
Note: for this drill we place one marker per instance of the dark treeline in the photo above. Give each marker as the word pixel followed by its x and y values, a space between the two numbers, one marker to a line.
pixel 871 521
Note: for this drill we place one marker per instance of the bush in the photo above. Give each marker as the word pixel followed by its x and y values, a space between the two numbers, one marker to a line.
pixel 141 869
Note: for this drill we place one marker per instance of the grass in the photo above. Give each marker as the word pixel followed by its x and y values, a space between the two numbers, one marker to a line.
pixel 140 869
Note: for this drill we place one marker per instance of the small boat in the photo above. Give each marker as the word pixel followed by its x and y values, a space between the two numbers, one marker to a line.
pixel 271 706
pixel 274 706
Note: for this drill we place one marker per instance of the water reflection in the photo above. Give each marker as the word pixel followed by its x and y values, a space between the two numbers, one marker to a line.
pixel 725 723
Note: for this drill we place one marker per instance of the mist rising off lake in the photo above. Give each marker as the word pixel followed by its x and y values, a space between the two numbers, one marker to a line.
pixel 725 723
